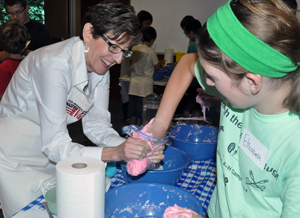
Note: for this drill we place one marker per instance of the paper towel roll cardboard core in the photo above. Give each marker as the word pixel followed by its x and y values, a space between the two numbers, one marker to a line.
pixel 79 165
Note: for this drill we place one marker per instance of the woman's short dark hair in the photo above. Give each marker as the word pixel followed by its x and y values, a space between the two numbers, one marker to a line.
pixel 149 33
pixel 14 2
pixel 144 15
pixel 14 37
pixel 115 17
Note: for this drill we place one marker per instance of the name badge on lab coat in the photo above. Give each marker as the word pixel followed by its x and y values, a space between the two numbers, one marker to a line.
pixel 77 105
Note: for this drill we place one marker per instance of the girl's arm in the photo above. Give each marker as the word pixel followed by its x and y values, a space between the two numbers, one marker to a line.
pixel 177 85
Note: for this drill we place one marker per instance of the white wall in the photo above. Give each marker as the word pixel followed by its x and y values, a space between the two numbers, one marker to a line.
pixel 167 15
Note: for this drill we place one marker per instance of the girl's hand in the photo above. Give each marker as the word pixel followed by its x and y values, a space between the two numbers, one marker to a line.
pixel 158 154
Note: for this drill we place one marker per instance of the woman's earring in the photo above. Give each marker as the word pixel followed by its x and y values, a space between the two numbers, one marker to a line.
pixel 86 47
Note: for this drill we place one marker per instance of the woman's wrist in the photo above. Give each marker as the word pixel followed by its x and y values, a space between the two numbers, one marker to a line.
pixel 110 154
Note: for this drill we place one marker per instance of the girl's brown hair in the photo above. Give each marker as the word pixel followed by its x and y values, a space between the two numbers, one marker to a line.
pixel 274 23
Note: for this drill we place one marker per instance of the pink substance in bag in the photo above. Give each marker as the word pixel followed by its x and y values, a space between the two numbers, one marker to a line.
pixel 178 212
pixel 136 167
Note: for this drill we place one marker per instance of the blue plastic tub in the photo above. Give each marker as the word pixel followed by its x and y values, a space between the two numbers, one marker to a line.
pixel 147 200
pixel 159 75
pixel 174 163
pixel 169 68
pixel 198 141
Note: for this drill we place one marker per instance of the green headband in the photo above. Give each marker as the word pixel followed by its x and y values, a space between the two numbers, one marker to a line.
pixel 244 48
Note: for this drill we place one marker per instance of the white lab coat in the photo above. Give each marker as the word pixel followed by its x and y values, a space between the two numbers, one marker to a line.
pixel 33 120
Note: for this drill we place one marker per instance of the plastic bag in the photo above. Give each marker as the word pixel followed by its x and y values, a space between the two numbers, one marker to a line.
pixel 136 167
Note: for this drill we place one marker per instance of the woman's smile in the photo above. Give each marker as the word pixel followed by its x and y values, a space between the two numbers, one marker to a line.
pixel 105 63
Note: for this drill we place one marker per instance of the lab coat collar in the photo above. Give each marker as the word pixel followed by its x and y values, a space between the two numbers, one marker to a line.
pixel 79 72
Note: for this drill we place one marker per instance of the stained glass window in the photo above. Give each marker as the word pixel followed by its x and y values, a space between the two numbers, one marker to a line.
pixel 36 11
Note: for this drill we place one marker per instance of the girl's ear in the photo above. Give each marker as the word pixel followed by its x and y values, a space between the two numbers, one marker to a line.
pixel 255 82
pixel 87 32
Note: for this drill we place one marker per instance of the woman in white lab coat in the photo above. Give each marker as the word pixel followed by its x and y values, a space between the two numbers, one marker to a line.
pixel 57 85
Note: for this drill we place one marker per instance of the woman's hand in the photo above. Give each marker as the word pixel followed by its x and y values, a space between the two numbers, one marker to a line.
pixel 134 148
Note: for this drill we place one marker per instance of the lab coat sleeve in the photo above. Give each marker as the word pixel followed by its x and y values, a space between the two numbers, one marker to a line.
pixel 51 82
pixel 97 122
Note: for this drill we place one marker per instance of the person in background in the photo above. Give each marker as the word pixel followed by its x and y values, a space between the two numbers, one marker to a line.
pixel 145 18
pixel 57 85
pixel 190 106
pixel 125 71
pixel 18 10
pixel 191 31
pixel 255 70
pixel 14 37
pixel 188 103
pixel 187 19
pixel 144 62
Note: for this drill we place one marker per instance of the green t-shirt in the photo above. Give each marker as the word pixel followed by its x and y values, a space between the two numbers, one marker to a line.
pixel 192 48
pixel 243 188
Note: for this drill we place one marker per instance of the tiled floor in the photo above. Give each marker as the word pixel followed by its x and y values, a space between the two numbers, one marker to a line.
pixel 77 135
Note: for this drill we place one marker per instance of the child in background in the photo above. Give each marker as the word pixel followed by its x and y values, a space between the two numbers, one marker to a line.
pixel 249 55
pixel 125 71
pixel 14 37
pixel 188 103
pixel 184 22
pixel 145 18
pixel 188 106
pixel 191 31
pixel 144 62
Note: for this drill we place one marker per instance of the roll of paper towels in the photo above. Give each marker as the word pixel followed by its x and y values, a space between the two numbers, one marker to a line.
pixel 169 55
pixel 80 188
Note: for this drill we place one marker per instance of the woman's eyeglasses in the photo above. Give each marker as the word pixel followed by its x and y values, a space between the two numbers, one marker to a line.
pixel 17 13
pixel 116 49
